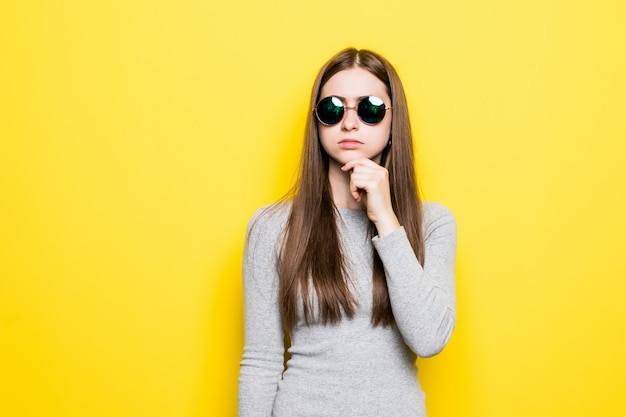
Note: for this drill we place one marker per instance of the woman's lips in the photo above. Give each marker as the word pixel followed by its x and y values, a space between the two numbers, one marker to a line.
pixel 350 143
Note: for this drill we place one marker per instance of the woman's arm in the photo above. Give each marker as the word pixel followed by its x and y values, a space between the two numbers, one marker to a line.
pixel 423 299
pixel 262 363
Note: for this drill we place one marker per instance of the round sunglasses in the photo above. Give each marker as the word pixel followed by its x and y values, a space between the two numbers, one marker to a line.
pixel 370 109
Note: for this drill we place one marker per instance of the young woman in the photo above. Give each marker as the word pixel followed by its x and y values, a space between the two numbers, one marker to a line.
pixel 353 269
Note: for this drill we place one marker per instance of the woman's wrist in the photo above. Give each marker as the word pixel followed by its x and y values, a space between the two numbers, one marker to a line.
pixel 387 226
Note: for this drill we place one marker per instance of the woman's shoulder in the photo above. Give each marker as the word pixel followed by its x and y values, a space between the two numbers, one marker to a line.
pixel 433 208
pixel 270 218
pixel 437 215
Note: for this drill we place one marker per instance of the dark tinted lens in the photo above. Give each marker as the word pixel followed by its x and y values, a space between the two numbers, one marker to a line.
pixel 329 110
pixel 371 109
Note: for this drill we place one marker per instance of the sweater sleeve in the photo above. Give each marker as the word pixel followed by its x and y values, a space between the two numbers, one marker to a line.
pixel 262 362
pixel 423 299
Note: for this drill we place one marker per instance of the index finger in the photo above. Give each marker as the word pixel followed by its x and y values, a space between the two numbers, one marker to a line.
pixel 360 161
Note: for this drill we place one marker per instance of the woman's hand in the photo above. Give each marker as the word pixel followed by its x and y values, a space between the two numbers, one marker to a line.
pixel 369 183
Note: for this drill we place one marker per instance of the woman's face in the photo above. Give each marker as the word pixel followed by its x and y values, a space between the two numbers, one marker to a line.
pixel 352 138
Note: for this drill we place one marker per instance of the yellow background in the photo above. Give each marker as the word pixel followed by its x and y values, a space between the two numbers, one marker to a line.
pixel 138 137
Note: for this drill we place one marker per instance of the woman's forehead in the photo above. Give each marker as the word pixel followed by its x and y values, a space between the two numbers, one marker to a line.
pixel 354 83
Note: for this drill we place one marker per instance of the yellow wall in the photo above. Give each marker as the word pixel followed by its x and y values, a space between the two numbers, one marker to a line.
pixel 138 137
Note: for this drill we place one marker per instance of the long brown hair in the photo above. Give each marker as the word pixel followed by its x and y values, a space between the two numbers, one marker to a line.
pixel 311 255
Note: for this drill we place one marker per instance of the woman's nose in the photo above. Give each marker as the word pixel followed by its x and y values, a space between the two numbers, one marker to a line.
pixel 350 119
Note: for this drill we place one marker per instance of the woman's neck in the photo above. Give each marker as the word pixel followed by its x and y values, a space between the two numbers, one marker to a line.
pixel 340 188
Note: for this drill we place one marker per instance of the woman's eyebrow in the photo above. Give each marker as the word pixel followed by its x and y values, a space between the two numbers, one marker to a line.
pixel 356 98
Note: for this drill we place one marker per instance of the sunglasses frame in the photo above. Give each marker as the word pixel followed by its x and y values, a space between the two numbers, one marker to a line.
pixel 346 108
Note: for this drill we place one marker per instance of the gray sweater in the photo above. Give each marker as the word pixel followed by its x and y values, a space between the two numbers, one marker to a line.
pixel 349 368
